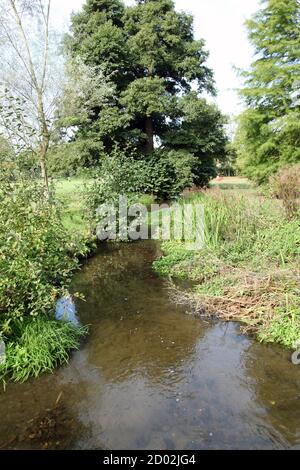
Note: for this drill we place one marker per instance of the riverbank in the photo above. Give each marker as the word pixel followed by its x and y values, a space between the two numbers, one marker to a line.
pixel 43 243
pixel 38 257
pixel 249 268
pixel 152 377
pixel 247 272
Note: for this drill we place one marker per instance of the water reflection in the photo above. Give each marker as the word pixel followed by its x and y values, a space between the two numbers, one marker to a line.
pixel 276 384
pixel 151 376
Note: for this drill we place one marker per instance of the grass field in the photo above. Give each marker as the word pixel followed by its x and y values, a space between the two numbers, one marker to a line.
pixel 69 192
pixel 231 182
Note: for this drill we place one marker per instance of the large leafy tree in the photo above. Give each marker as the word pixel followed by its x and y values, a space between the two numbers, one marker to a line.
pixel 149 53
pixel 269 131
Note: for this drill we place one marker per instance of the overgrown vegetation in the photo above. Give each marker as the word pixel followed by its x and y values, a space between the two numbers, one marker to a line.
pixel 148 54
pixel 285 185
pixel 39 345
pixel 268 137
pixel 37 258
pixel 248 270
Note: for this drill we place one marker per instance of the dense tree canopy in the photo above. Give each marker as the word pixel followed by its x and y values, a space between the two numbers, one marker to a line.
pixel 269 132
pixel 149 54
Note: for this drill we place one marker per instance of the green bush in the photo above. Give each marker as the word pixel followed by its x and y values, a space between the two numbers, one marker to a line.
pixel 118 175
pixel 37 254
pixel 167 173
pixel 162 174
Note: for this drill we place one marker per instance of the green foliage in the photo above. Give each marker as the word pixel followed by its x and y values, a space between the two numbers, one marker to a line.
pixel 149 55
pixel 145 97
pixel 86 89
pixel 274 76
pixel 39 345
pixel 69 193
pixel 284 326
pixel 37 254
pixel 161 41
pixel 174 254
pixel 198 129
pixel 227 165
pixel 264 146
pixel 119 175
pixel 248 270
pixel 166 174
pixel 75 158
pixel 269 131
pixel 6 150
pixel 162 173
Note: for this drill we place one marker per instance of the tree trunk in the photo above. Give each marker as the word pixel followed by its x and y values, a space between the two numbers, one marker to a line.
pixel 150 135
pixel 43 152
pixel 45 136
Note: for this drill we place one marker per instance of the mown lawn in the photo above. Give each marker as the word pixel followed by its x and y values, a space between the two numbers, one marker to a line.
pixel 231 182
pixel 69 192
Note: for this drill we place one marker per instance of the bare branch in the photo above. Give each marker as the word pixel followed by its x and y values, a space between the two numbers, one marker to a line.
pixel 46 19
pixel 26 44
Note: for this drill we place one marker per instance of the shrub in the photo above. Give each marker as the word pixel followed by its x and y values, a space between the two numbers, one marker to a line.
pixel 285 185
pixel 167 173
pixel 37 254
pixel 162 174
pixel 118 175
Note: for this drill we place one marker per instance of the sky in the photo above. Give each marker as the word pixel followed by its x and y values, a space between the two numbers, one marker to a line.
pixel 221 24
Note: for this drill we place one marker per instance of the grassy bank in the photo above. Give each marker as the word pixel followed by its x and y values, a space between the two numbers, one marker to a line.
pixel 42 243
pixel 38 256
pixel 39 345
pixel 248 270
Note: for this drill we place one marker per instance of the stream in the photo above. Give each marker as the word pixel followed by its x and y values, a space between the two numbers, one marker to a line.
pixel 151 376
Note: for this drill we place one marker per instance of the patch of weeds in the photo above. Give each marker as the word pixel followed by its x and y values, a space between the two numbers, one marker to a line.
pixel 175 253
pixel 284 325
pixel 38 345
pixel 248 269
pixel 216 286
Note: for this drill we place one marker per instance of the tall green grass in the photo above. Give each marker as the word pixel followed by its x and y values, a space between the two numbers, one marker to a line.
pixel 38 345
pixel 251 254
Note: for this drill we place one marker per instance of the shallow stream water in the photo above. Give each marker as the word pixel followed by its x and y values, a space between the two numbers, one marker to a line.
pixel 150 376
